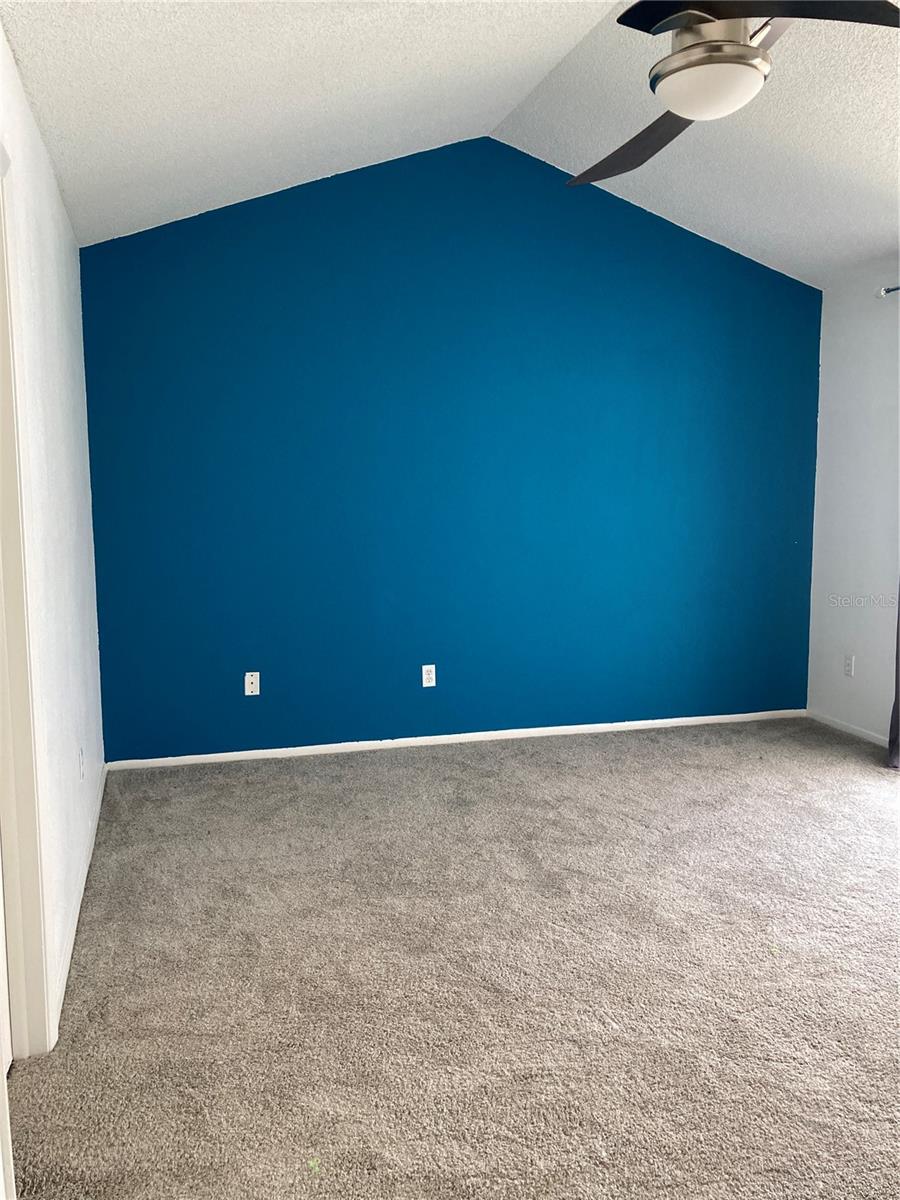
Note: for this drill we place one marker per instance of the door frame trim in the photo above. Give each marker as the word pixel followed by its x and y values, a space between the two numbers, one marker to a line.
pixel 32 1020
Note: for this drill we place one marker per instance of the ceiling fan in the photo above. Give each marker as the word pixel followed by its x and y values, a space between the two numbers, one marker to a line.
pixel 717 63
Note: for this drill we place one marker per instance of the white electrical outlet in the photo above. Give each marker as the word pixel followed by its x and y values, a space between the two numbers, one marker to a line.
pixel 849 665
pixel 429 676
pixel 251 683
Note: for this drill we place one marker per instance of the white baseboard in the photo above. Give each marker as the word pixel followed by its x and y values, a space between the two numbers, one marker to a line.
pixel 844 726
pixel 62 970
pixel 446 739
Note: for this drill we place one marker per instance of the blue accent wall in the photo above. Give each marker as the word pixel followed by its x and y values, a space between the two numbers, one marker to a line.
pixel 443 410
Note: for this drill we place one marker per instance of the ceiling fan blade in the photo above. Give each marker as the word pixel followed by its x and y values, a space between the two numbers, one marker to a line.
pixel 647 14
pixel 637 151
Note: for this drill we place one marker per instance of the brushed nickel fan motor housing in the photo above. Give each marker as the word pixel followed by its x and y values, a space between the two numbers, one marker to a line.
pixel 709 43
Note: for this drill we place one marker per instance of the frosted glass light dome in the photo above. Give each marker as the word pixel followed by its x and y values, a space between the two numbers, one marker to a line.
pixel 709 90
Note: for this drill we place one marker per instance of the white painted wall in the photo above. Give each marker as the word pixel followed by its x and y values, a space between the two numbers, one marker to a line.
pixel 856 541
pixel 56 502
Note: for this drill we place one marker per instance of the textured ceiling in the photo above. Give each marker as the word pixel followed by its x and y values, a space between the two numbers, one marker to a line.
pixel 804 179
pixel 154 111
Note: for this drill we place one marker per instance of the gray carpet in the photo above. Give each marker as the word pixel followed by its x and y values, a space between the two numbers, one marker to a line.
pixel 654 964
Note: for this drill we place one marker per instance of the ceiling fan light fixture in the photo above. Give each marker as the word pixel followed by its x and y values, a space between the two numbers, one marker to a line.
pixel 710 80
